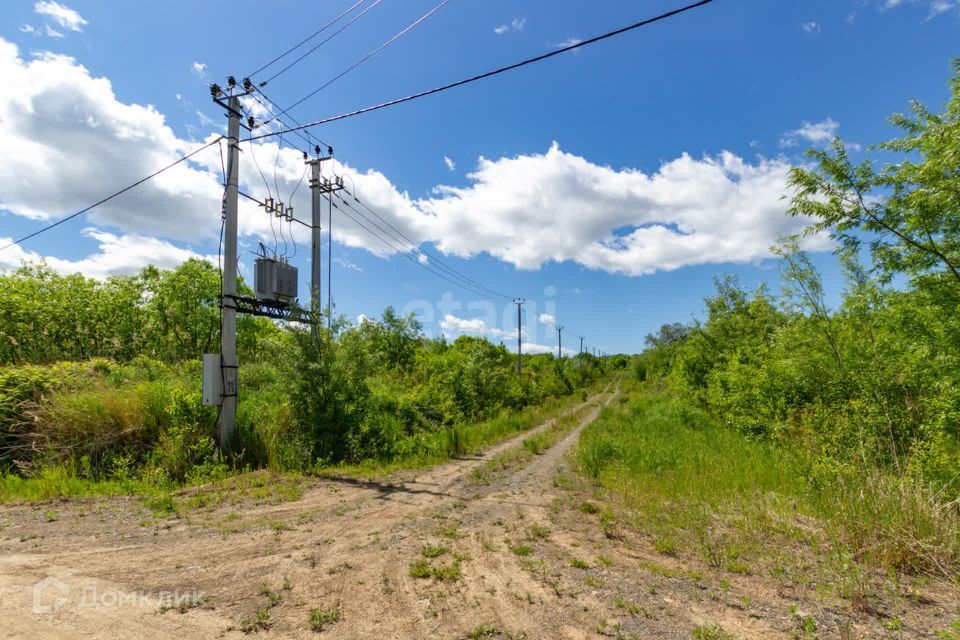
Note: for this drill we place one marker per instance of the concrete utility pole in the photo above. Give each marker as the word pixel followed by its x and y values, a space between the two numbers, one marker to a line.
pixel 559 341
pixel 318 187
pixel 580 364
pixel 228 328
pixel 519 302
pixel 316 202
pixel 330 259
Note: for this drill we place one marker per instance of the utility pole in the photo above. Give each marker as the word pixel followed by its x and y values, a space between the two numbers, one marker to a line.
pixel 228 327
pixel 330 259
pixel 580 364
pixel 560 342
pixel 318 187
pixel 519 302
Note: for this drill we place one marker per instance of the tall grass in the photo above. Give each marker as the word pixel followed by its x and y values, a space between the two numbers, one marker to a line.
pixel 687 476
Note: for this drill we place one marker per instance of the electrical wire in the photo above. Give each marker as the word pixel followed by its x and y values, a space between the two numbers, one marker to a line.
pixel 270 109
pixel 311 140
pixel 398 248
pixel 276 242
pixel 383 46
pixel 113 195
pixel 436 261
pixel 308 38
pixel 322 42
pixel 276 163
pixel 494 72
pixel 418 250
pixel 290 222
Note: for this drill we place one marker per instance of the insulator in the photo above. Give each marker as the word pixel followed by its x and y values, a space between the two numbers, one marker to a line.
pixel 251 122
pixel 214 89
pixel 231 82
pixel 247 84
pixel 289 214
pixel 329 151
pixel 279 209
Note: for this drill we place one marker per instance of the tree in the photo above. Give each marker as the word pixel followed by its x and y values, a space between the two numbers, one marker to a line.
pixel 908 211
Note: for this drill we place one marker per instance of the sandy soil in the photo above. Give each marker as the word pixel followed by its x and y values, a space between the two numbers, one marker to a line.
pixel 531 564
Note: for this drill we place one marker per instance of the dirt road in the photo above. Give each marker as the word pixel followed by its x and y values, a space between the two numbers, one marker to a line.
pixel 508 543
pixel 349 549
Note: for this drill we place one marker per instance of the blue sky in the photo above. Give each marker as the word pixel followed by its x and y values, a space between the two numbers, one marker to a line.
pixel 618 180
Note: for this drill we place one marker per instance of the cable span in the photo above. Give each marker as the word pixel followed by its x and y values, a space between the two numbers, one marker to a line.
pixel 115 194
pixel 494 72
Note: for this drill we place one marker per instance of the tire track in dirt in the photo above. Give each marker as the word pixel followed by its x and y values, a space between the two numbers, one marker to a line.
pixel 346 545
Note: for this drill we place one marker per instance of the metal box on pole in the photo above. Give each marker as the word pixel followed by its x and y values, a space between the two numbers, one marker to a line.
pixel 212 380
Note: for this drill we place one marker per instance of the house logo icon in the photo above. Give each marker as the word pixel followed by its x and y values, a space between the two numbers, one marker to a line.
pixel 51 587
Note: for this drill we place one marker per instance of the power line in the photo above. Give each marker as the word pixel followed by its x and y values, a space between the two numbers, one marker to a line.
pixel 115 194
pixel 497 71
pixel 391 241
pixel 383 46
pixel 308 38
pixel 392 244
pixel 434 259
pixel 308 139
pixel 322 42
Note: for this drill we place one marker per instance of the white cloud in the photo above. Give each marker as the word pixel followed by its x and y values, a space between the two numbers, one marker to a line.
pixel 52 104
pixel 28 28
pixel 546 318
pixel 517 24
pixel 117 254
pixel 199 69
pixel 935 7
pixel 476 326
pixel 816 133
pixel 451 165
pixel 205 121
pixel 464 325
pixel 569 42
pixel 61 14
pixel 810 28
pixel 51 32
pixel 525 210
pixel 347 264
pixel 533 348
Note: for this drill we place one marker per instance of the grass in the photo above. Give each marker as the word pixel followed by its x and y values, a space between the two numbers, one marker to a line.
pixel 450 443
pixel 430 551
pixel 259 621
pixel 710 632
pixel 707 489
pixel 423 570
pixel 514 457
pixel 103 407
pixel 320 619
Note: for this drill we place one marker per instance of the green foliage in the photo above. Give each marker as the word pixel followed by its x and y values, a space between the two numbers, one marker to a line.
pixel 378 392
pixel 170 315
pixel 871 386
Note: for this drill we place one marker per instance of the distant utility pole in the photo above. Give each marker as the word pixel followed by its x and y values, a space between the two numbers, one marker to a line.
pixel 580 364
pixel 559 341
pixel 519 302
